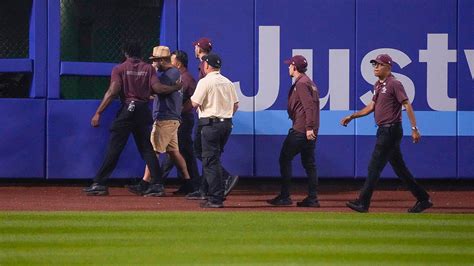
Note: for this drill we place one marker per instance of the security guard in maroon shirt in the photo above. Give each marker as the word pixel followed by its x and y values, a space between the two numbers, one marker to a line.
pixel 389 97
pixel 134 81
pixel 303 110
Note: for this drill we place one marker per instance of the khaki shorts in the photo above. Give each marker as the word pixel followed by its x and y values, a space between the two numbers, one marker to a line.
pixel 164 136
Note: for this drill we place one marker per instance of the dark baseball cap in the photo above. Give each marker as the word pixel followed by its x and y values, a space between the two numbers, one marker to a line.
pixel 298 60
pixel 382 59
pixel 213 60
pixel 204 43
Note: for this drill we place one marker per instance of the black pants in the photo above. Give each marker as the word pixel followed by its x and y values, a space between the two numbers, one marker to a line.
pixel 186 145
pixel 296 142
pixel 201 182
pixel 214 136
pixel 387 149
pixel 138 123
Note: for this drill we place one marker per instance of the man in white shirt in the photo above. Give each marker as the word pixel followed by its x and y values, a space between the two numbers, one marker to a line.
pixel 216 101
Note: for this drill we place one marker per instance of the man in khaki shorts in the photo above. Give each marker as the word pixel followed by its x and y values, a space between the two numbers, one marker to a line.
pixel 167 118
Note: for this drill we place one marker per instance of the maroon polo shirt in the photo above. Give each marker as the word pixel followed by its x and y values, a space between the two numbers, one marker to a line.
pixel 303 105
pixel 202 74
pixel 189 85
pixel 135 78
pixel 388 98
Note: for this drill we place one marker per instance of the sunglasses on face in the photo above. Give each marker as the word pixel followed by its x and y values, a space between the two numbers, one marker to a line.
pixel 375 64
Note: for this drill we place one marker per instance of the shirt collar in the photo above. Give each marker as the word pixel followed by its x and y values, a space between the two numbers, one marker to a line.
pixel 299 77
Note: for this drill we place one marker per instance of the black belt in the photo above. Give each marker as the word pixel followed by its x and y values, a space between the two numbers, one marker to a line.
pixel 215 119
pixel 390 125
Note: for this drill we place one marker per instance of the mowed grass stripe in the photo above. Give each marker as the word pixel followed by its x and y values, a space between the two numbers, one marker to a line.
pixel 216 238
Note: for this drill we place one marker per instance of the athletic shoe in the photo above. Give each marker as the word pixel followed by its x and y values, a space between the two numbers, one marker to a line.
pixel 208 204
pixel 196 195
pixel 155 190
pixel 96 190
pixel 308 202
pixel 140 188
pixel 357 206
pixel 184 189
pixel 230 184
pixel 280 201
pixel 421 206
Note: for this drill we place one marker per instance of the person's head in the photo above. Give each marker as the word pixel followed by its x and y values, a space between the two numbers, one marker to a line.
pixel 296 65
pixel 132 48
pixel 212 62
pixel 160 57
pixel 202 47
pixel 179 59
pixel 382 66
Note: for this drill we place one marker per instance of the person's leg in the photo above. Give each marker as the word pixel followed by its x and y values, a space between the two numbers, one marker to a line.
pixel 167 165
pixel 308 162
pixel 153 173
pixel 380 155
pixel 201 181
pixel 179 161
pixel 119 133
pixel 401 170
pixel 186 150
pixel 212 171
pixel 290 148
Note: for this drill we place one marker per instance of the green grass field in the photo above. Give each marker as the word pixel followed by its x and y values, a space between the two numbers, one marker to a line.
pixel 234 238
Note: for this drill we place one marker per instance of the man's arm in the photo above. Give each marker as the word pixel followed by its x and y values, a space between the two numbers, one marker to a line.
pixel 236 106
pixel 365 111
pixel 160 88
pixel 415 134
pixel 195 104
pixel 309 108
pixel 110 94
pixel 187 106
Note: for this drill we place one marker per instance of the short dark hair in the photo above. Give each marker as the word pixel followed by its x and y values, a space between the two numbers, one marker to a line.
pixel 132 48
pixel 182 56
pixel 301 69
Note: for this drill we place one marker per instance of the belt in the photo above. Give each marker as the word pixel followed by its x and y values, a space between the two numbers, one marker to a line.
pixel 390 125
pixel 215 119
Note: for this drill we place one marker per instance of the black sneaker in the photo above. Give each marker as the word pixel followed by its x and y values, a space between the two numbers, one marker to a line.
pixel 230 184
pixel 184 189
pixel 196 195
pixel 421 206
pixel 308 202
pixel 357 206
pixel 96 190
pixel 280 201
pixel 208 204
pixel 155 190
pixel 139 189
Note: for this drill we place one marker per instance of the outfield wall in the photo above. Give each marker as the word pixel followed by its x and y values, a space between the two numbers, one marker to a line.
pixel 432 42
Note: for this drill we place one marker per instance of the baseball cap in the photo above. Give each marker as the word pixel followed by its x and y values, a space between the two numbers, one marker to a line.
pixel 160 52
pixel 204 43
pixel 213 60
pixel 298 60
pixel 382 59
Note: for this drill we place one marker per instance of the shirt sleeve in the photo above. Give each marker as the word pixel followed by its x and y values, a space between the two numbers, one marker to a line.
pixel 116 76
pixel 234 98
pixel 304 92
pixel 374 99
pixel 189 86
pixel 200 92
pixel 153 77
pixel 399 92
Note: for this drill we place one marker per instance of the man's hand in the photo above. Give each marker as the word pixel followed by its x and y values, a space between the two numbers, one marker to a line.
pixel 95 120
pixel 415 135
pixel 310 135
pixel 345 121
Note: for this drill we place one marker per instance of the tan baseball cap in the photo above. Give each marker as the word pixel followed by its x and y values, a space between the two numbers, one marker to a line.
pixel 160 52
